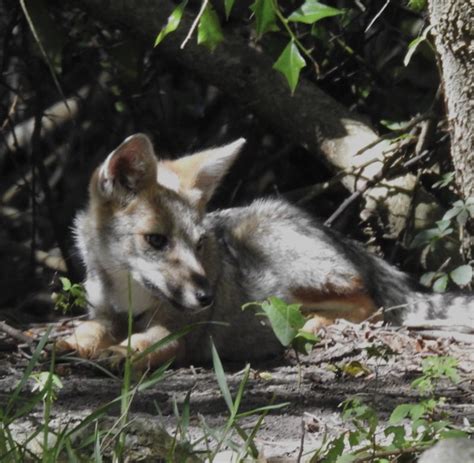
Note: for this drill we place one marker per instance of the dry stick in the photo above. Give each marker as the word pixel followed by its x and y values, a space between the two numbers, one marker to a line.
pixel 388 453
pixel 194 24
pixel 415 121
pixel 370 183
pixel 310 192
pixel 14 333
pixel 358 193
pixel 43 177
pixel 17 186
pixel 11 111
pixel 300 453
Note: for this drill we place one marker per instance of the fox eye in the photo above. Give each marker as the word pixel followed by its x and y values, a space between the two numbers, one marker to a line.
pixel 156 240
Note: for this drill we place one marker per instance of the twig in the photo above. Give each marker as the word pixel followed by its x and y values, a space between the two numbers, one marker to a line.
pixel 373 181
pixel 358 193
pixel 43 52
pixel 17 186
pixel 405 128
pixel 11 111
pixel 387 453
pixel 194 24
pixel 376 16
pixel 15 334
pixel 300 453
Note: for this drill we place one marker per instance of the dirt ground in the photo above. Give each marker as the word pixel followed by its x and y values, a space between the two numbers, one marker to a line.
pixel 338 368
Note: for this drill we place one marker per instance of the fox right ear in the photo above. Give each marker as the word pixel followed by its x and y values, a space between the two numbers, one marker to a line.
pixel 127 169
pixel 198 175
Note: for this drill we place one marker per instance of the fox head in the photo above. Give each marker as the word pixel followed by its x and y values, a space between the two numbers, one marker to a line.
pixel 148 218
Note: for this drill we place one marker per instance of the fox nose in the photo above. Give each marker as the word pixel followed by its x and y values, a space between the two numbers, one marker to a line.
pixel 205 297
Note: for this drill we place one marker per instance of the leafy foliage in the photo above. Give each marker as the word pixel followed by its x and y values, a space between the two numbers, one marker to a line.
pixel 290 64
pixel 209 29
pixel 173 22
pixel 287 323
pixel 312 11
pixel 72 294
pixel 267 17
pixel 364 441
pixel 455 219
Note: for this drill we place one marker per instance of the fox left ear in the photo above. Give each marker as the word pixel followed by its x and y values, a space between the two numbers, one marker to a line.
pixel 201 173
pixel 129 168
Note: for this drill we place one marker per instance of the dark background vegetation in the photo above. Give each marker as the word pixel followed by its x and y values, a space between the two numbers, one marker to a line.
pixel 123 85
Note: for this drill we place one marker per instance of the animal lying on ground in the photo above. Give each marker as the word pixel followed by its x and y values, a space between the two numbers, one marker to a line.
pixel 148 244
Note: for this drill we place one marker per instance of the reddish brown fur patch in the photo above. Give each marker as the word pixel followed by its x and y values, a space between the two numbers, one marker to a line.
pixel 332 303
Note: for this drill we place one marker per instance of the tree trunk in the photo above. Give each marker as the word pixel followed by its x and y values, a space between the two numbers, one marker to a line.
pixel 453 28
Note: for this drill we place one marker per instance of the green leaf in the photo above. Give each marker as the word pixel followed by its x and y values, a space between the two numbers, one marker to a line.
pixel 417 5
pixel 172 24
pixel 209 29
pixel 66 282
pixel 312 11
pixel 427 279
pixel 290 64
pixel 284 319
pixel 417 411
pixel 304 341
pixel 393 125
pixel 221 379
pixel 454 434
pixel 228 4
pixel 399 413
pixel 399 435
pixel 440 284
pixel 355 369
pixel 265 17
pixel 412 47
pixel 446 179
pixel 462 275
pixel 424 237
pixel 346 458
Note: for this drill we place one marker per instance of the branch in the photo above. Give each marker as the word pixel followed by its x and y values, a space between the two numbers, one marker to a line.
pixel 15 334
pixel 310 117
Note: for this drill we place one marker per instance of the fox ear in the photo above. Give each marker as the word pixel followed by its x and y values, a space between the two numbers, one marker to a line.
pixel 129 168
pixel 198 175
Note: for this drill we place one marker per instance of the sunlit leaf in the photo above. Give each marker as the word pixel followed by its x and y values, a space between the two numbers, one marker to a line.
pixel 440 284
pixel 412 47
pixel 221 379
pixel 209 29
pixel 265 17
pixel 228 5
pixel 417 5
pixel 173 22
pixel 399 413
pixel 290 64
pixel 312 11
pixel 462 275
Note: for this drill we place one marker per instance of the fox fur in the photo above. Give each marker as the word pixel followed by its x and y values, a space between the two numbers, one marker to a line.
pixel 147 243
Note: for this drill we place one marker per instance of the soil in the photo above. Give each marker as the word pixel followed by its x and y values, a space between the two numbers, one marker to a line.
pixel 314 386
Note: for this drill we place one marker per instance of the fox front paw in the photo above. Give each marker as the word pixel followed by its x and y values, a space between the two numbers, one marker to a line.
pixel 115 356
pixel 88 340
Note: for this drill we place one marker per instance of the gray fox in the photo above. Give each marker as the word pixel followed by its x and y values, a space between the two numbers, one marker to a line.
pixel 145 235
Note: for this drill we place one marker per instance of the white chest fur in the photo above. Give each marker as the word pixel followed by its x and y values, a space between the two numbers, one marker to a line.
pixel 125 289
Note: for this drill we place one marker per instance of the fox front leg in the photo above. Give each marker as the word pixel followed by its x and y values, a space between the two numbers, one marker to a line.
pixel 88 339
pixel 139 342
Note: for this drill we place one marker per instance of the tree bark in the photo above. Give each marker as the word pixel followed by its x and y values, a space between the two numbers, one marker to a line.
pixel 453 28
pixel 310 117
